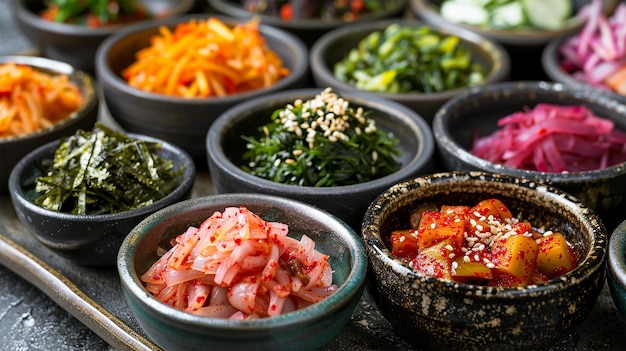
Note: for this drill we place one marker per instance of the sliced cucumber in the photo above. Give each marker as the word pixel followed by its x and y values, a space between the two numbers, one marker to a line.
pixel 547 14
pixel 464 12
pixel 508 16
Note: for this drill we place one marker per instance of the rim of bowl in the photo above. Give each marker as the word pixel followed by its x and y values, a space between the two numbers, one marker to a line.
pixel 445 141
pixel 427 10
pixel 24 14
pixel 500 70
pixel 24 165
pixel 354 280
pixel 104 71
pixel 594 259
pixel 231 9
pixel 421 159
pixel 550 63
pixel 83 79
pixel 617 254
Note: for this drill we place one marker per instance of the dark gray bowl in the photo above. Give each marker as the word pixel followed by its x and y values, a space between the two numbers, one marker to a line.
pixel 309 30
pixel 87 240
pixel 616 267
pixel 77 44
pixel 13 149
pixel 225 147
pixel 478 111
pixel 181 121
pixel 432 312
pixel 305 329
pixel 550 61
pixel 336 44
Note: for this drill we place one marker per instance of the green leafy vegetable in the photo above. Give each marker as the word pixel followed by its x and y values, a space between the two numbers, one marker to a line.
pixel 104 171
pixel 403 59
pixel 93 12
pixel 321 142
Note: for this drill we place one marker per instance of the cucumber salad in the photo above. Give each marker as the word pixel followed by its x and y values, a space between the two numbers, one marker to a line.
pixel 509 14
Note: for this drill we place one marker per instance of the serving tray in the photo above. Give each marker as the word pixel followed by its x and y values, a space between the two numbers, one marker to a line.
pixel 94 296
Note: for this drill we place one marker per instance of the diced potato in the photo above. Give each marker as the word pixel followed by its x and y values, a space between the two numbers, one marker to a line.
pixel 555 256
pixel 490 207
pixel 437 226
pixel 515 255
pixel 450 209
pixel 435 261
pixel 404 243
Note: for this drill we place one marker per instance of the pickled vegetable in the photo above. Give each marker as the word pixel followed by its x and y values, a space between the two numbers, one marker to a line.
pixel 483 244
pixel 409 59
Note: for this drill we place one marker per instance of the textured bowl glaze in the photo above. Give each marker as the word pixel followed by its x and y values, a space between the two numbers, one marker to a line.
pixel 333 46
pixel 225 147
pixel 305 329
pixel 550 61
pixel 181 121
pixel 88 240
pixel 13 149
pixel 616 267
pixel 77 44
pixel 309 30
pixel 432 312
pixel 477 112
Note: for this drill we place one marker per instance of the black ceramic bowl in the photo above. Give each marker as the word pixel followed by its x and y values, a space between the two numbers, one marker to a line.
pixel 13 149
pixel 550 61
pixel 77 44
pixel 181 121
pixel 616 267
pixel 88 240
pixel 305 329
pixel 336 44
pixel 477 112
pixel 433 312
pixel 309 30
pixel 225 147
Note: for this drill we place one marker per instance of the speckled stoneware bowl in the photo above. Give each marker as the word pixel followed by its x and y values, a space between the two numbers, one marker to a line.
pixel 432 312
pixel 616 267
pixel 309 30
pixel 550 62
pixel 225 148
pixel 182 121
pixel 333 46
pixel 87 240
pixel 73 43
pixel 13 149
pixel 305 329
pixel 477 112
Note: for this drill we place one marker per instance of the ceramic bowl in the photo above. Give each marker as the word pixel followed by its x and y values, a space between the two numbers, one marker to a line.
pixel 616 267
pixel 184 122
pixel 524 46
pixel 550 61
pixel 433 312
pixel 309 30
pixel 87 240
pixel 13 149
pixel 478 111
pixel 77 44
pixel 225 147
pixel 336 44
pixel 309 328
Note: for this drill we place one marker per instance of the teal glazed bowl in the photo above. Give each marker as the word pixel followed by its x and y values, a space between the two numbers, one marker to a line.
pixel 90 240
pixel 476 113
pixel 616 269
pixel 435 313
pixel 305 329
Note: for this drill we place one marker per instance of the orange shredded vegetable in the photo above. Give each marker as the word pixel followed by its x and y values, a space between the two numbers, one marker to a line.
pixel 31 100
pixel 204 58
